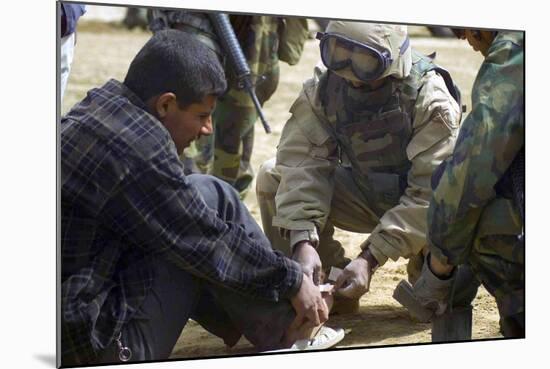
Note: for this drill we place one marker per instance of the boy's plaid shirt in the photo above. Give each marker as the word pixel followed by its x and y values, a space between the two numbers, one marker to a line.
pixel 124 201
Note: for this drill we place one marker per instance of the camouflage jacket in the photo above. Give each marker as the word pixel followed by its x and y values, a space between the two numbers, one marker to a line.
pixel 307 157
pixel 259 36
pixel 471 198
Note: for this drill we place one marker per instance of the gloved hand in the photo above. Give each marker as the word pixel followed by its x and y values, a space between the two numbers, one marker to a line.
pixel 431 291
pixel 305 254
pixel 355 279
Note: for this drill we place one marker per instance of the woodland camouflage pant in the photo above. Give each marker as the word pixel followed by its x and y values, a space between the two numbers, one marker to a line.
pixel 498 261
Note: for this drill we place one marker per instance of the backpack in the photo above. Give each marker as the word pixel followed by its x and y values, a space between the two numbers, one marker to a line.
pixel 293 33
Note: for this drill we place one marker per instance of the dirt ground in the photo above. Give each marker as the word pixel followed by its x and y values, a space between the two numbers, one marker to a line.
pixel 104 51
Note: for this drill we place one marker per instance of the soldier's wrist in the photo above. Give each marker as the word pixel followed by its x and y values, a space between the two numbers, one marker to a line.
pixel 305 243
pixel 377 246
pixel 372 263
pixel 439 269
pixel 300 236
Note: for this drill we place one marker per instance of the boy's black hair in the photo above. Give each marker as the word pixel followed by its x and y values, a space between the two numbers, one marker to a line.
pixel 174 61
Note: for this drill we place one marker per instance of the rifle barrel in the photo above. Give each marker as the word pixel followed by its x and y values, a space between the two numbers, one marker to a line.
pixel 229 42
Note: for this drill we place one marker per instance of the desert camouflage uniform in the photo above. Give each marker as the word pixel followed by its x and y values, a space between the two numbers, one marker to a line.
pixel 472 216
pixel 399 133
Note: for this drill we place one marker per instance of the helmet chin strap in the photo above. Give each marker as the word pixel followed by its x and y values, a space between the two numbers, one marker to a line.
pixel 404 46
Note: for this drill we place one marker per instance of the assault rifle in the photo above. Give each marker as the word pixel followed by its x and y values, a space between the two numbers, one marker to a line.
pixel 230 44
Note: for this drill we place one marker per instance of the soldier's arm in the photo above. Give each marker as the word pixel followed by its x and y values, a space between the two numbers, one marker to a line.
pixel 490 137
pixel 306 161
pixel 402 229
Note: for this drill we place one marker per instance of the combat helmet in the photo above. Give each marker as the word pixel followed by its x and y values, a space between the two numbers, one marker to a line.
pixel 371 50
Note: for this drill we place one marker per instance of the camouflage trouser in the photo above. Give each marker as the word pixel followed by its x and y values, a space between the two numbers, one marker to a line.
pixel 349 211
pixel 227 154
pixel 498 260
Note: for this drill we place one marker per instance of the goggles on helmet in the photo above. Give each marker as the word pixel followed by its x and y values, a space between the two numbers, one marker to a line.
pixel 366 62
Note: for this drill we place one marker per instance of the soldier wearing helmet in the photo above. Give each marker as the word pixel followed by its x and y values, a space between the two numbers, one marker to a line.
pixel 358 152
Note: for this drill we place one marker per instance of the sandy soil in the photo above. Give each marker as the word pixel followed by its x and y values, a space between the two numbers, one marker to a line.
pixel 104 52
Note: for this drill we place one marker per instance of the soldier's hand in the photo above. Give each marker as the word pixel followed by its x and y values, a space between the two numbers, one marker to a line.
pixel 432 291
pixel 305 254
pixel 311 309
pixel 355 279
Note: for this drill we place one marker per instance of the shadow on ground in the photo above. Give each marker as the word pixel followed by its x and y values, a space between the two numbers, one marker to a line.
pixel 370 326
pixel 374 325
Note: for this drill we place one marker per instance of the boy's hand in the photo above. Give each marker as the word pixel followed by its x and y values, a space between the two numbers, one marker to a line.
pixel 311 309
